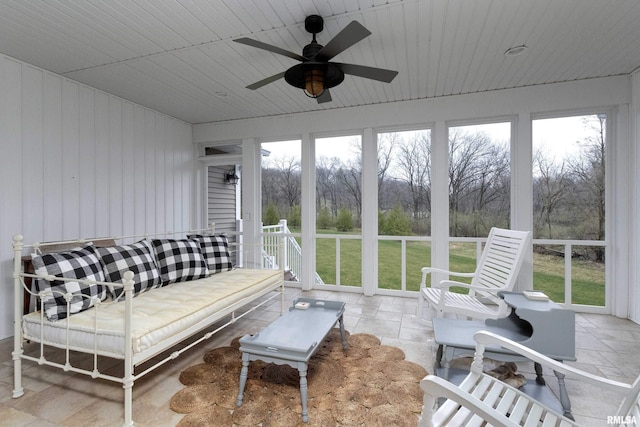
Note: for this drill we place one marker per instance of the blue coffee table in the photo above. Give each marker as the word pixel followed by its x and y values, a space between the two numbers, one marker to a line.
pixel 292 340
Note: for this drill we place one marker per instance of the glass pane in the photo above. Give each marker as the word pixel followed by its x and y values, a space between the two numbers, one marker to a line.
pixel 404 205
pixel 281 183
pixel 463 258
pixel 326 260
pixel 569 204
pixel 479 178
pixel 351 262
pixel 548 271
pixel 404 183
pixel 569 177
pixel 281 194
pixel 418 254
pixel 339 209
pixel 587 278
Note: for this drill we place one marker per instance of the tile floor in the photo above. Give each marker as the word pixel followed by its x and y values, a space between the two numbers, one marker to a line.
pixel 605 346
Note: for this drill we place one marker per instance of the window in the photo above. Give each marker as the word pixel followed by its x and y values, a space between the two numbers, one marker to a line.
pixel 569 205
pixel 479 178
pixel 339 210
pixel 404 208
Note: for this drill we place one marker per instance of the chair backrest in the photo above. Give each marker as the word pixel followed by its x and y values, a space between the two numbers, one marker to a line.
pixel 501 260
pixel 630 406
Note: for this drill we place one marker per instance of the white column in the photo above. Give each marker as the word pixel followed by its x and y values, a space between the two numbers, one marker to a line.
pixel 439 199
pixel 251 198
pixel 308 211
pixel 199 213
pixel 634 255
pixel 522 191
pixel 619 196
pixel 369 212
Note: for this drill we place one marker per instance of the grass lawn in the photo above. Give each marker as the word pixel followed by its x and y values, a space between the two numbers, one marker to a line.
pixel 587 277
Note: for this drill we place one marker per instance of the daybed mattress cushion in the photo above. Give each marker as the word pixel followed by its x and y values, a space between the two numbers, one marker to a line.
pixel 157 315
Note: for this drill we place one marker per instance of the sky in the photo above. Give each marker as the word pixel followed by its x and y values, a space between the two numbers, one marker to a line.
pixel 555 136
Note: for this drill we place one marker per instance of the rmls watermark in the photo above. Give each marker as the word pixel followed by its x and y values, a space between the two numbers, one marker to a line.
pixel 628 420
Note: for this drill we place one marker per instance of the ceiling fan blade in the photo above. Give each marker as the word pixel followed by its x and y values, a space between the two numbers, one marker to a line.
pixel 379 74
pixel 266 81
pixel 270 48
pixel 324 97
pixel 350 35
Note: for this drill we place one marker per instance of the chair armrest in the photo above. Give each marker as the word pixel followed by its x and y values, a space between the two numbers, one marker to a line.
pixel 435 387
pixel 484 338
pixel 428 270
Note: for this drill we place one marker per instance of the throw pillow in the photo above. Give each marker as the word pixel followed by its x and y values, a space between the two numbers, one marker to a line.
pixel 81 263
pixel 216 252
pixel 137 257
pixel 179 260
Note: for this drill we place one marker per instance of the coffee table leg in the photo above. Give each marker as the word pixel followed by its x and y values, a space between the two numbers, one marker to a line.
pixel 243 377
pixel 302 369
pixel 344 339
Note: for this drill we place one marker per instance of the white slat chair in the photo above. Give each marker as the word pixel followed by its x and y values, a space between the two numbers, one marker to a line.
pixel 482 399
pixel 496 271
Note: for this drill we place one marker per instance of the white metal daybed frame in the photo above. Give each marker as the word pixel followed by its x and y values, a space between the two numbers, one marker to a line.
pixel 130 358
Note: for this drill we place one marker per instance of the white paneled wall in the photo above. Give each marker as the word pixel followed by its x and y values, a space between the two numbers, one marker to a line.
pixel 77 162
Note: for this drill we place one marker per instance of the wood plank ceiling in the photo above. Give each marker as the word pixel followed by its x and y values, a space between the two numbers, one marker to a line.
pixel 178 56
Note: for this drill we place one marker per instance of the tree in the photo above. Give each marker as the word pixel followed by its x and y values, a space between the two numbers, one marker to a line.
pixel 551 187
pixel 588 170
pixel 289 179
pixel 344 222
pixel 478 182
pixel 414 168
pixel 295 217
pixel 324 220
pixel 349 179
pixel 396 222
pixel 326 184
pixel 271 216
pixel 386 146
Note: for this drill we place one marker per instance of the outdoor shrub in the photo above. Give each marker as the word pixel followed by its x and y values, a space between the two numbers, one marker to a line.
pixel 324 220
pixel 271 216
pixel 344 222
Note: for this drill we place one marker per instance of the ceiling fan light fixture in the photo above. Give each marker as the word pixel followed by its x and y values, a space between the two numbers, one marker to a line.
pixel 313 82
pixel 314 77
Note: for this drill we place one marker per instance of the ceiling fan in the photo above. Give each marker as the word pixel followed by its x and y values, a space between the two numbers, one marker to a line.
pixel 315 74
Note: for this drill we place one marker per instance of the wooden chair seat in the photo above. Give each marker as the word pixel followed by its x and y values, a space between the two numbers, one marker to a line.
pixel 482 399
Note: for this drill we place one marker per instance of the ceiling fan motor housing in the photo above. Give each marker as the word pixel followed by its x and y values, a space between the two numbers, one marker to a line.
pixel 311 50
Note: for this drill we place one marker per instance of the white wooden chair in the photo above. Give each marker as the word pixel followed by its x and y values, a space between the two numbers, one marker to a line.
pixel 496 271
pixel 482 399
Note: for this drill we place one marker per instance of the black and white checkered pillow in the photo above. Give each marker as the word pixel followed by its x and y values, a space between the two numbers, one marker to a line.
pixel 137 257
pixel 179 260
pixel 216 252
pixel 81 263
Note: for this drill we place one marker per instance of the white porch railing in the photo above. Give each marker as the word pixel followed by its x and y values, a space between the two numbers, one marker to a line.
pixel 292 250
pixel 293 257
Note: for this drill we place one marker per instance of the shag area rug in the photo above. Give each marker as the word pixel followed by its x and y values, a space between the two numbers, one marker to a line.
pixel 369 384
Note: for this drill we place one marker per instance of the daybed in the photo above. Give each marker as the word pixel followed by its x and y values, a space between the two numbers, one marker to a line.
pixel 136 316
